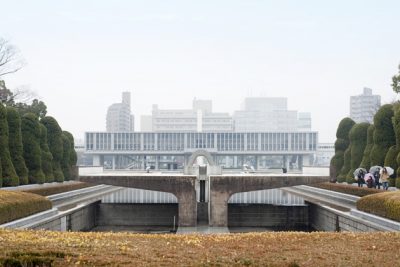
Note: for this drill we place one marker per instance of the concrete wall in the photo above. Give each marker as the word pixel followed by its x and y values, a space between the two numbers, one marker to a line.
pixel 264 215
pixel 136 214
pixel 80 219
pixel 323 218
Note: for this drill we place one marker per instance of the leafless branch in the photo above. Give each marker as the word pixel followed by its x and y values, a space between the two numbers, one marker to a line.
pixel 10 58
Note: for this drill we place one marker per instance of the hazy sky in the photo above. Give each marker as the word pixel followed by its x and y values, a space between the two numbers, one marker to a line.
pixel 82 54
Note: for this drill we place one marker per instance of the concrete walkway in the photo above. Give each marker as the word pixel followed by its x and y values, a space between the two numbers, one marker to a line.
pixel 203 229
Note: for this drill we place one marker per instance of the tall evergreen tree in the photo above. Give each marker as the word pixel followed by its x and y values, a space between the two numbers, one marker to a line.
pixel 341 145
pixel 15 144
pixel 10 177
pixel 366 160
pixel 384 136
pixel 358 142
pixel 47 157
pixel 54 139
pixel 65 164
pixel 30 129
pixel 72 155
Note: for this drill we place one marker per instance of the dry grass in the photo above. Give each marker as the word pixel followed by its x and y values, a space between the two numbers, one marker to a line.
pixel 48 190
pixel 384 204
pixel 15 205
pixel 255 249
pixel 348 189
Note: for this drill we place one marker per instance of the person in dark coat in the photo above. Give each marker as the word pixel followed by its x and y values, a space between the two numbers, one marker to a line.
pixel 360 178
pixel 376 178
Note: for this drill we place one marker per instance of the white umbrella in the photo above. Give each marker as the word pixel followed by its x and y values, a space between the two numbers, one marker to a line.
pixel 389 170
pixel 374 169
pixel 357 171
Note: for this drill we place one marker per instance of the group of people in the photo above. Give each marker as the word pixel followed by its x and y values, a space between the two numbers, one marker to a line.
pixel 374 180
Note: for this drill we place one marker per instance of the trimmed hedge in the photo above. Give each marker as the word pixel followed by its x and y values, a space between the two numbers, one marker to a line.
pixel 358 142
pixel 346 166
pixel 385 204
pixel 73 158
pixel 348 189
pixel 55 142
pixel 57 189
pixel 341 144
pixel 30 129
pixel 15 205
pixel 366 160
pixel 65 163
pixel 15 144
pixel 46 156
pixel 390 160
pixel 384 136
pixel 10 177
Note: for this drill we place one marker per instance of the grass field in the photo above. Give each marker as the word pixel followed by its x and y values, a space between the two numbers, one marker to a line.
pixel 252 249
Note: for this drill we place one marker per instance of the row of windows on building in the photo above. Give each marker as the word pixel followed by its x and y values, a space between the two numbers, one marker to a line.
pixel 219 141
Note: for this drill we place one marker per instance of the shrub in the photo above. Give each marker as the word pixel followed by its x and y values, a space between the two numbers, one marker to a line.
pixel 383 136
pixel 46 156
pixel 341 144
pixel 348 189
pixel 57 189
pixel 55 142
pixel 15 144
pixel 10 177
pixel 385 204
pixel 72 155
pixel 358 142
pixel 30 129
pixel 390 160
pixel 15 205
pixel 366 160
pixel 346 166
pixel 65 164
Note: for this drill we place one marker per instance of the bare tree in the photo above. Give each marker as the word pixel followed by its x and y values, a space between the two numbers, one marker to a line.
pixel 10 58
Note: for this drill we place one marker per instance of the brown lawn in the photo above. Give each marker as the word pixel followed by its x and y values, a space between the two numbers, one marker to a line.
pixel 254 249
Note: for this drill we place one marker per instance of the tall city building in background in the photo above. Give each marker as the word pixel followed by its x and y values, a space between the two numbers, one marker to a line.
pixel 363 107
pixel 119 117
pixel 198 119
pixel 260 114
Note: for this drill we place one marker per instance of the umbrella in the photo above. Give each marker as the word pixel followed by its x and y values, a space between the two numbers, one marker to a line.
pixel 357 171
pixel 368 176
pixel 374 169
pixel 389 170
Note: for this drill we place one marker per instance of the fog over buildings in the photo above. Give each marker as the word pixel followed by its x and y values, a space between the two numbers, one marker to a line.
pixel 258 114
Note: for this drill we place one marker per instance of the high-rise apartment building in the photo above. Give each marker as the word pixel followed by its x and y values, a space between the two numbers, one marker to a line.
pixel 119 117
pixel 363 107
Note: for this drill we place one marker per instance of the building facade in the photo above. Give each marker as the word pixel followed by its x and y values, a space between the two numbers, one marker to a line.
pixel 263 150
pixel 261 114
pixel 324 154
pixel 198 119
pixel 119 117
pixel 363 107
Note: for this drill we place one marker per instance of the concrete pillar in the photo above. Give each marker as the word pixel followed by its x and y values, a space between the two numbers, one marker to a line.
pixel 96 160
pixel 187 208
pixel 219 209
pixel 113 162
pixel 157 167
pixel 257 162
pixel 300 162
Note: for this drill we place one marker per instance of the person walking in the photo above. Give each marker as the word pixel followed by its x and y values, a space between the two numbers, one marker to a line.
pixel 376 178
pixel 360 178
pixel 384 179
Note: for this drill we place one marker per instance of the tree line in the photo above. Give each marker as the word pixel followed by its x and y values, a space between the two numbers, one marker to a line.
pixel 363 145
pixel 33 147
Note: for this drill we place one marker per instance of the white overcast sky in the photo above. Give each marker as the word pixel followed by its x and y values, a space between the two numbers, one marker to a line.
pixel 82 54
